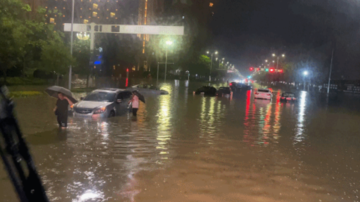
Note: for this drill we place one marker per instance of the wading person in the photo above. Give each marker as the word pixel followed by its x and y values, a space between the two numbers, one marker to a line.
pixel 61 110
pixel 135 103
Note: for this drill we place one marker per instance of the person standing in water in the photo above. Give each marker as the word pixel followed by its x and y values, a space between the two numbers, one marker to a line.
pixel 135 103
pixel 61 110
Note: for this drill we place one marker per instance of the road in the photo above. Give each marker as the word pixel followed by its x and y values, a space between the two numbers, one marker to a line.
pixel 193 148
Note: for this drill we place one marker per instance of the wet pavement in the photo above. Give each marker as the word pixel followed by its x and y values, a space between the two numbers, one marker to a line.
pixel 192 148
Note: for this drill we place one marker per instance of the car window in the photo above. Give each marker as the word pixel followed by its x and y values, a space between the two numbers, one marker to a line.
pixel 100 97
pixel 126 95
pixel 263 91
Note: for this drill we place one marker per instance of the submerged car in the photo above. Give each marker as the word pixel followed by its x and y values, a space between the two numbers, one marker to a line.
pixel 148 89
pixel 235 86
pixel 223 91
pixel 206 90
pixel 287 97
pixel 263 94
pixel 102 103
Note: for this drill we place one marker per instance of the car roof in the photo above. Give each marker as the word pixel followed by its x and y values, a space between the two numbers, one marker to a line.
pixel 109 90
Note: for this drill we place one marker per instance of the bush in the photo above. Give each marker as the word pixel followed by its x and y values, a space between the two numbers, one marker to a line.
pixel 14 81
pixel 25 93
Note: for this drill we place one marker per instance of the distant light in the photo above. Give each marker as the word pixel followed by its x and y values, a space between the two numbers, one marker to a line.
pixel 249 77
pixel 266 60
pixel 183 17
pixel 273 61
pixel 273 55
pixel 169 42
pixel 127 70
pixel 207 52
pixel 283 55
pixel 216 52
pixel 306 73
pixel 97 62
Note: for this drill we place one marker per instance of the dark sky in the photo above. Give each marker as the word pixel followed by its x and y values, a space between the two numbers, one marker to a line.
pixel 248 31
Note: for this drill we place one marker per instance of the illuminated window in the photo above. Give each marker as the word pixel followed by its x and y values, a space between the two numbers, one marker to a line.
pixel 52 20
pixel 86 21
pixel 54 23
pixel 55 7
pixel 89 9
pixel 45 6
pixel 55 15
pixel 80 8
pixel 107 9
pixel 63 16
pixel 89 16
pixel 107 17
pixel 211 4
pixel 112 14
pixel 63 7
pixel 116 9
pixel 95 6
pixel 94 14
pixel 80 16
pixel 116 18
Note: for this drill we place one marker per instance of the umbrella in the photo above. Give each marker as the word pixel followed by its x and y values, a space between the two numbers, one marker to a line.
pixel 141 97
pixel 54 90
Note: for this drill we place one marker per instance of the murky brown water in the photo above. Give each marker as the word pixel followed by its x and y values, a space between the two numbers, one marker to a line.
pixel 192 148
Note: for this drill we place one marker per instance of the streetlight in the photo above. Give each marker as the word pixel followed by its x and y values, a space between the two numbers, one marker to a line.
pixel 168 43
pixel 305 73
pixel 71 39
pixel 277 63
pixel 212 54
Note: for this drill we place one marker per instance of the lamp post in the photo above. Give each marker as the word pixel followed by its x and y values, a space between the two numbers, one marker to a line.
pixel 277 59
pixel 305 73
pixel 212 54
pixel 168 43
pixel 71 40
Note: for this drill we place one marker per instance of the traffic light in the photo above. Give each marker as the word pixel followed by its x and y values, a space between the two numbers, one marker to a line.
pixel 127 69
pixel 251 69
pixel 272 70
pixel 267 69
pixel 281 71
pixel 257 69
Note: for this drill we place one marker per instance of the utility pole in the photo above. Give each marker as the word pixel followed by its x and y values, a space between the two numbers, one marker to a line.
pixel 71 41
pixel 210 67
pixel 331 64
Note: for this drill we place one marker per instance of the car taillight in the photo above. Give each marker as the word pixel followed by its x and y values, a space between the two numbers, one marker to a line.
pixel 230 84
pixel 283 98
pixel 256 93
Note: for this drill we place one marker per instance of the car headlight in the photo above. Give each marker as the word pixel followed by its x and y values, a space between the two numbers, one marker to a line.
pixel 99 110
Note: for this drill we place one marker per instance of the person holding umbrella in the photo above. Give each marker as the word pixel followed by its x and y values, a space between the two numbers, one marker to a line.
pixel 135 98
pixel 65 99
pixel 61 110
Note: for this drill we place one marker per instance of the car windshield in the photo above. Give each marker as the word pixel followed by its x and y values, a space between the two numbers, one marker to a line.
pixel 263 91
pixel 100 97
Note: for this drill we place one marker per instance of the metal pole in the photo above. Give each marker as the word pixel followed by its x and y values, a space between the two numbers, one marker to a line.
pixel 332 57
pixel 157 74
pixel 71 40
pixel 277 63
pixel 166 63
pixel 210 67
pixel 189 76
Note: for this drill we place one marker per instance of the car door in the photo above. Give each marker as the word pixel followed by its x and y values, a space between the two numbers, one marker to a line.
pixel 119 105
pixel 126 97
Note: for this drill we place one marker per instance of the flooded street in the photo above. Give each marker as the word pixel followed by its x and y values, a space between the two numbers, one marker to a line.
pixel 192 148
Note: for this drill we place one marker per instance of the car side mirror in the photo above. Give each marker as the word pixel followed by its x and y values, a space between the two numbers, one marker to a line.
pixel 118 100
pixel 81 98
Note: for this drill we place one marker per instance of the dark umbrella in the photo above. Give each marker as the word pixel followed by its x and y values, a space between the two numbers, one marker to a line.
pixel 141 97
pixel 54 90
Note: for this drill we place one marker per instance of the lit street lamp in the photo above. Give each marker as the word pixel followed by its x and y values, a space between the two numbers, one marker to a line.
pixel 305 73
pixel 266 60
pixel 277 62
pixel 168 43
pixel 212 54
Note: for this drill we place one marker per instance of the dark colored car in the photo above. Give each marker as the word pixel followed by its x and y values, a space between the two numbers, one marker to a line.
pixel 239 86
pixel 287 97
pixel 223 91
pixel 206 90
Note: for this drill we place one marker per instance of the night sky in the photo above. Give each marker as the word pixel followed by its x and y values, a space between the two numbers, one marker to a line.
pixel 247 31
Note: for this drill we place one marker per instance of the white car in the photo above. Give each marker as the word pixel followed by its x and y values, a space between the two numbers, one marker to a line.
pixel 263 94
pixel 102 103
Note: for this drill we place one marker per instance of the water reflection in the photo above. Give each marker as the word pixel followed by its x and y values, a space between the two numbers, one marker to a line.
pixel 299 136
pixel 181 142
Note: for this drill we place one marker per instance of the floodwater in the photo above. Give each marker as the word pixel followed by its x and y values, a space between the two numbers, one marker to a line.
pixel 192 148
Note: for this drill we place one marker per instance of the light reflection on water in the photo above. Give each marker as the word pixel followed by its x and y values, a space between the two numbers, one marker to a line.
pixel 184 137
